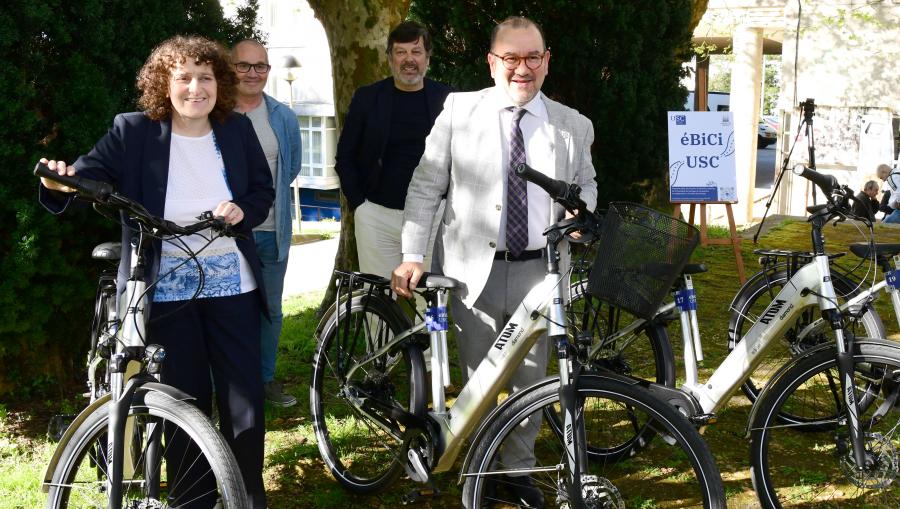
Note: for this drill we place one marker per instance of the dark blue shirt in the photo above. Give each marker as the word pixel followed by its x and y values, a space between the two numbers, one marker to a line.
pixel 410 125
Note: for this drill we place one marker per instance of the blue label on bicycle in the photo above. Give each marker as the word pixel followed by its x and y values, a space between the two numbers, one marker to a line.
pixel 686 299
pixel 893 279
pixel 436 319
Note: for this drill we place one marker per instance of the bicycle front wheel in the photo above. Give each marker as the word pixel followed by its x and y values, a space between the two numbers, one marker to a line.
pixel 173 457
pixel 678 464
pixel 363 445
pixel 811 462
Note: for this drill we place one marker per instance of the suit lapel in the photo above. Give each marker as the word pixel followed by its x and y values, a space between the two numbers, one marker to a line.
pixel 230 149
pixel 561 140
pixel 561 144
pixel 156 163
pixel 488 139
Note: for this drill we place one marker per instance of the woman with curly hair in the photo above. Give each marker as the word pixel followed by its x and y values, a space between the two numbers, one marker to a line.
pixel 185 153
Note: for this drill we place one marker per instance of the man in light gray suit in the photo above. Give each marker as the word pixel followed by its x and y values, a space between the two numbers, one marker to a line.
pixel 491 237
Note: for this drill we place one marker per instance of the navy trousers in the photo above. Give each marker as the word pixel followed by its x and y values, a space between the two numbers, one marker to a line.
pixel 218 336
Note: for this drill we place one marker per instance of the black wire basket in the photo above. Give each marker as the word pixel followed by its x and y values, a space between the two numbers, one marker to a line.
pixel 639 254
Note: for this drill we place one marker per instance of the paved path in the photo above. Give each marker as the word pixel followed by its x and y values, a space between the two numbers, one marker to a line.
pixel 309 266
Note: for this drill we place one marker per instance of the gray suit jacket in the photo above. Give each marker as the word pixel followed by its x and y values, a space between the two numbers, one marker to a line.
pixel 463 160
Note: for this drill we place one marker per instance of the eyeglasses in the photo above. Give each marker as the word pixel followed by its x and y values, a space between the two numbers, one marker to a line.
pixel 243 67
pixel 511 62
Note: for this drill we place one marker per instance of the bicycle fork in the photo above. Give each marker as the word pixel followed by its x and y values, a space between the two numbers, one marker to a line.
pixel 844 346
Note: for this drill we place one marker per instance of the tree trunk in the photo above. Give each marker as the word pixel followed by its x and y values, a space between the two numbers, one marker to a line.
pixel 357 37
pixel 698 8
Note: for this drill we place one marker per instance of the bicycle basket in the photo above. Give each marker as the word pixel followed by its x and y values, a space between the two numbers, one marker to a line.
pixel 639 254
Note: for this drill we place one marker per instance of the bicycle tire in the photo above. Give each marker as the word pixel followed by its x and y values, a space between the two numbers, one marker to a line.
pixel 80 476
pixel 752 300
pixel 687 469
pixel 814 467
pixel 645 353
pixel 361 455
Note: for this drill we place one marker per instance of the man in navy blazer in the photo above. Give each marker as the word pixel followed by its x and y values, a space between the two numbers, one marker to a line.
pixel 382 140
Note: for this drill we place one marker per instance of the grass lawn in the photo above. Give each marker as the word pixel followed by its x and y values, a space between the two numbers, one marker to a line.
pixel 295 476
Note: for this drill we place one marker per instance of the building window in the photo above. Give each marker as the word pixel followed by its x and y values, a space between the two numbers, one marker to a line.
pixel 319 137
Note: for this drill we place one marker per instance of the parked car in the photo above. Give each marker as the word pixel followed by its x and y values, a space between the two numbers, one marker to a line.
pixel 772 121
pixel 766 135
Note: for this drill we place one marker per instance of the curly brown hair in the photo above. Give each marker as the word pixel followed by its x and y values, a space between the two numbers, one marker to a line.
pixel 153 79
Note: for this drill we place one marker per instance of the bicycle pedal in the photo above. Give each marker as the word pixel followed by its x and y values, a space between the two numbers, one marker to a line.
pixel 419 495
pixel 701 420
pixel 415 467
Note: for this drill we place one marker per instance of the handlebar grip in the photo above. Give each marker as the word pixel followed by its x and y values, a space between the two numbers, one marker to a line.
pixel 555 188
pixel 827 183
pixel 94 189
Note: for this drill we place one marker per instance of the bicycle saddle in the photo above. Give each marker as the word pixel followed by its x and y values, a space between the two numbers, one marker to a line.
pixel 429 280
pixel 111 251
pixel 694 268
pixel 882 251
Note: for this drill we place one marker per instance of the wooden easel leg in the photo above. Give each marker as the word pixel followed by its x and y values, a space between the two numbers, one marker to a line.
pixel 736 244
pixel 703 238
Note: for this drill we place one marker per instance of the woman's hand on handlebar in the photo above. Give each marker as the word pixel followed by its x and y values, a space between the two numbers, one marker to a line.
pixel 61 168
pixel 229 212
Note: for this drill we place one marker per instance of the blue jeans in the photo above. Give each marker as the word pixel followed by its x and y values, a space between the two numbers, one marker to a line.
pixel 273 280
pixel 894 217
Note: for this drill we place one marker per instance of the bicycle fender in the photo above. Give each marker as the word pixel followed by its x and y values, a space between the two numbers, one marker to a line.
pixel 482 428
pixel 168 390
pixel 67 437
pixel 794 360
pixel 138 398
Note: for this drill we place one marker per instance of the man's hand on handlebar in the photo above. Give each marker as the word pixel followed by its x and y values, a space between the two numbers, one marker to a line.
pixel 405 278
pixel 61 168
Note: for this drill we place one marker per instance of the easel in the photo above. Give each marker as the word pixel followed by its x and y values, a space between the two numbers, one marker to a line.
pixel 734 240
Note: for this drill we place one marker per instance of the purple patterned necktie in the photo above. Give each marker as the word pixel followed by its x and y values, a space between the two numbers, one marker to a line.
pixel 516 194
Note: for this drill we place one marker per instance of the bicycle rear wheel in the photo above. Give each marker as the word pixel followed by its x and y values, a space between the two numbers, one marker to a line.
pixel 811 463
pixel 751 302
pixel 155 475
pixel 364 448
pixel 679 466
pixel 644 352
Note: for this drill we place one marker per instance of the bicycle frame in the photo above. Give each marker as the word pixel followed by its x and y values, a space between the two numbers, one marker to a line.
pixel 798 294
pixel 810 285
pixel 509 349
pixel 890 284
pixel 541 310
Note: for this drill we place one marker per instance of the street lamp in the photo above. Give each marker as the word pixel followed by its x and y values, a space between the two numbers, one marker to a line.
pixel 291 65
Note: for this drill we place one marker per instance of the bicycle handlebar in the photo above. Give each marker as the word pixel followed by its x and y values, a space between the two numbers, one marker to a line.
pixel 93 189
pixel 567 195
pixel 827 183
pixel 102 192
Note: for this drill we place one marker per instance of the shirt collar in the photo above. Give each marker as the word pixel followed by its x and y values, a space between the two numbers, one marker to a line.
pixel 535 106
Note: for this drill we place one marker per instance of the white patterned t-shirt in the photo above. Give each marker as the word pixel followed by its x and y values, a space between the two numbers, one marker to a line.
pixel 197 183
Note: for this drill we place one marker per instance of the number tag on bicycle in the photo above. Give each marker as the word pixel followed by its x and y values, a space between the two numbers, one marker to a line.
pixel 686 299
pixel 436 318
pixel 893 279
